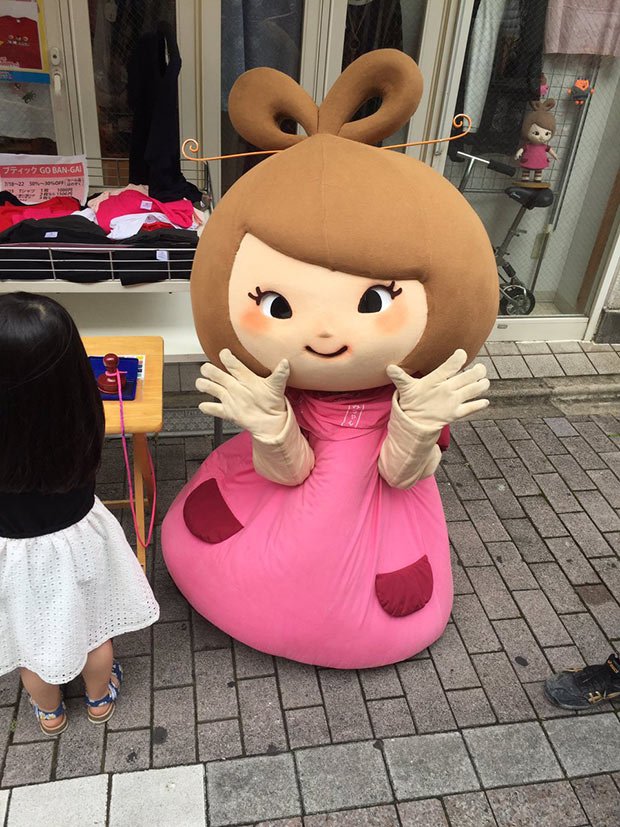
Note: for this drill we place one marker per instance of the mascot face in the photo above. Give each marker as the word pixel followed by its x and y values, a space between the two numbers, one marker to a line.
pixel 339 256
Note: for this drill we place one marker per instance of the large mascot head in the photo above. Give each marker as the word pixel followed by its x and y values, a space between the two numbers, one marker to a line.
pixel 335 254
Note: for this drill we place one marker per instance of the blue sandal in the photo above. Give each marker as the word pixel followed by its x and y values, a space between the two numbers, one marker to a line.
pixel 110 698
pixel 42 716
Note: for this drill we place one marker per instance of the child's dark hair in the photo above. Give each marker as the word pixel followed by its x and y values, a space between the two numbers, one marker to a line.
pixel 51 414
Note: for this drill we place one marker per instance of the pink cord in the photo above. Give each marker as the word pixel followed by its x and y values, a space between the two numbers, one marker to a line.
pixel 126 455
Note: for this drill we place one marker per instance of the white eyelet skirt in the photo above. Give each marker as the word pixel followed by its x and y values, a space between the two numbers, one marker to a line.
pixel 64 594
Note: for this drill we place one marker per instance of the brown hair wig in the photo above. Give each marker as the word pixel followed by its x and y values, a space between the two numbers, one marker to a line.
pixel 334 200
pixel 540 115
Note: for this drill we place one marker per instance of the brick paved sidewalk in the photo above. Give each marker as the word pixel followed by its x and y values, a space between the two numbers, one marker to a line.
pixel 460 735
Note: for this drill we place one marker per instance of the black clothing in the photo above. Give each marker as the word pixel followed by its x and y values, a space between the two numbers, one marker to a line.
pixel 33 514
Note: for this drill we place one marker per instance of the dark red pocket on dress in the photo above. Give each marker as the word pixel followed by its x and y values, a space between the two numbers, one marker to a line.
pixel 207 515
pixel 406 590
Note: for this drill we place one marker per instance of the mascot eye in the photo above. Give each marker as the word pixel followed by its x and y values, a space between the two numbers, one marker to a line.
pixel 379 298
pixel 272 304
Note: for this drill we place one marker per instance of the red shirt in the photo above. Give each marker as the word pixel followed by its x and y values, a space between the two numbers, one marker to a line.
pixel 19 43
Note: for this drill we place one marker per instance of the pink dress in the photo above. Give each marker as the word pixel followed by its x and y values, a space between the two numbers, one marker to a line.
pixel 535 156
pixel 341 571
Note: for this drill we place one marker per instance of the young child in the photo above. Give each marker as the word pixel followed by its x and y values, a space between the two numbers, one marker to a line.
pixel 69 582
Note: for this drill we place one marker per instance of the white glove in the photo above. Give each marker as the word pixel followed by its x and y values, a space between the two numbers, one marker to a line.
pixel 255 404
pixel 443 396
pixel 518 154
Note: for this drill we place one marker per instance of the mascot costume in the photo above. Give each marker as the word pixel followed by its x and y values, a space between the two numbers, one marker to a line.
pixel 338 290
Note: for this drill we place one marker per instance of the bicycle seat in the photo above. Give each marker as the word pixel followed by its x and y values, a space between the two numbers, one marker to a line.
pixel 530 198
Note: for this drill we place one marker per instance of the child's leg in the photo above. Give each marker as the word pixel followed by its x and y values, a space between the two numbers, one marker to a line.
pixel 96 674
pixel 45 695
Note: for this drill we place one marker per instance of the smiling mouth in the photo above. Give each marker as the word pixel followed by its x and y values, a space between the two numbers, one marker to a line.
pixel 338 352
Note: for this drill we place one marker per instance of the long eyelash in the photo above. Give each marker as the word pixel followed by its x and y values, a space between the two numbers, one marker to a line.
pixel 394 293
pixel 258 296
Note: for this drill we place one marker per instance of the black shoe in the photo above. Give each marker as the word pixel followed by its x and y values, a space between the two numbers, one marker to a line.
pixel 582 688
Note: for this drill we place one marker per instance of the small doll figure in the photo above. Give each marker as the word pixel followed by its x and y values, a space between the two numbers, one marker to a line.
pixel 338 289
pixel 538 128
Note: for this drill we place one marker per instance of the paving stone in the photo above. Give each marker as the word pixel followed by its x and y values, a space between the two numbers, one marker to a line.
pixel 134 643
pixel 427 813
pixel 512 429
pixel 470 707
pixel 557 492
pixel 368 817
pixel 488 525
pixel 128 751
pixel 28 764
pixel 537 804
pixel 602 605
pixel 26 725
pixel 544 708
pixel 344 705
pixel 219 739
pixel 463 433
pixel 9 688
pixel 421 682
pixel 460 580
pixel 170 461
pixel 172 654
pixel 562 657
pixel 511 566
pixel 533 347
pixel 172 604
pixel 525 655
pixel 544 437
pixel 600 798
pixel 307 727
pixel 596 438
pixel 511 367
pixel 174 726
pixel 80 747
pixel 528 541
pixel 494 440
pixel 6 725
pixel 468 545
pixel 452 661
pixel 565 347
pixel 453 455
pixel 518 477
pixel 532 457
pixel 206 635
pixel 423 766
pixel 465 483
pixel 502 349
pixel 609 486
pixel 390 717
pixel 588 459
pixel 599 510
pixel 133 707
pixel 586 744
pixel 613 538
pixel 571 472
pixel 299 684
pixel 4 800
pixel 502 499
pixel 586 535
pixel 249 663
pixel 159 798
pixel 542 619
pixel 452 506
pixel 261 716
pixel 480 461
pixel 380 683
pixel 555 585
pixel 544 518
pixel 342 776
pixel 469 810
pixel 608 569
pixel 473 624
pixel 503 690
pixel 587 635
pixel 197 447
pixel 573 562
pixel 605 362
pixel 560 426
pixel 512 754
pixel 612 459
pixel 493 595
pixel 77 802
pixel 281 822
pixel 216 696
pixel 576 364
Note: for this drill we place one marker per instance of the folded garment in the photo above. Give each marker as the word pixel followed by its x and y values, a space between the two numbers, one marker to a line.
pixel 100 197
pixel 68 228
pixel 11 213
pixel 131 202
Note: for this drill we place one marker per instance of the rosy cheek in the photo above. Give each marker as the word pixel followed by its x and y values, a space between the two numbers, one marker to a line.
pixel 393 320
pixel 253 321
